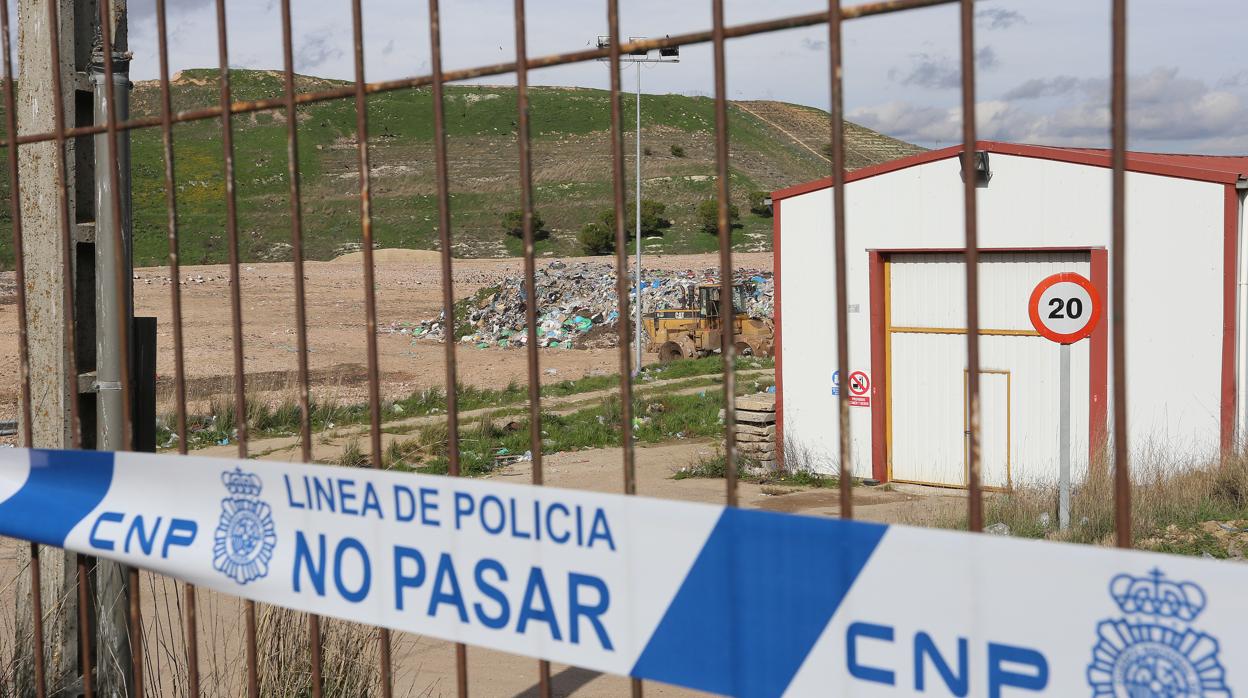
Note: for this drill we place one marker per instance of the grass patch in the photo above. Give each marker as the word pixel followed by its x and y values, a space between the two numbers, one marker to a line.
pixel 714 465
pixel 266 420
pixel 1189 511
pixel 489 442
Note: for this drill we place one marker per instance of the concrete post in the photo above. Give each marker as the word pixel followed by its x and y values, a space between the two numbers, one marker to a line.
pixel 52 384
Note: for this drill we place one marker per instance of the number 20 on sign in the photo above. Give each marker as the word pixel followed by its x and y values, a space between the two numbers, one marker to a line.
pixel 1064 308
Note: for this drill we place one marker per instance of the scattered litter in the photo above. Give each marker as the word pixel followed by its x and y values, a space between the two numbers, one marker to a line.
pixel 551 372
pixel 998 529
pixel 224 442
pixel 578 306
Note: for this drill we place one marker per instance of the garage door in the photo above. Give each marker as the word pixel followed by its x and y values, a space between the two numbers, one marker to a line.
pixel 927 408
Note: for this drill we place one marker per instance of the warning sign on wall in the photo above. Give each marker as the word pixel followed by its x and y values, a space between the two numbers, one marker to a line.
pixel 859 389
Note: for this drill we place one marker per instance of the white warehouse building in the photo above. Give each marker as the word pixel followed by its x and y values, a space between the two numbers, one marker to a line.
pixel 1041 211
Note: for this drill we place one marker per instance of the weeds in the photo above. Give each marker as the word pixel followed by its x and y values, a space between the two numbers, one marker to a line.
pixel 348 656
pixel 1194 511
pixel 217 427
pixel 714 465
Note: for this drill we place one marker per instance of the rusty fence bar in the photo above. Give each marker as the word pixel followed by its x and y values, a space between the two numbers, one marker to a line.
pixel 236 310
pixel 448 281
pixel 301 308
pixel 175 302
pixel 727 309
pixel 82 562
pixel 836 118
pixel 359 90
pixel 370 293
pixel 732 32
pixel 975 498
pixel 530 274
pixel 1118 321
pixel 10 109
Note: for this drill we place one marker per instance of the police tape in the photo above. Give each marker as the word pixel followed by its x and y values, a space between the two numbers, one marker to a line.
pixel 732 601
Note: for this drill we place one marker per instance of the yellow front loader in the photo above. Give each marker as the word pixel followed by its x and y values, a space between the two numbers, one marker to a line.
pixel 695 330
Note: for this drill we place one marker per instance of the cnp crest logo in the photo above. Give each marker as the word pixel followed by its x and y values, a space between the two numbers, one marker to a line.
pixel 1153 652
pixel 245 536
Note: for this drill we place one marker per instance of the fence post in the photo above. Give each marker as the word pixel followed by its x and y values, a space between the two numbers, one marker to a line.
pixel 53 383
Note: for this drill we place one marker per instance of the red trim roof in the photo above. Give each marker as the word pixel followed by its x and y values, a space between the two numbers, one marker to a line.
pixel 1222 169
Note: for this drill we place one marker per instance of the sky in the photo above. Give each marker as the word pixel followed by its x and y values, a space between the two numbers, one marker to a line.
pixel 1042 65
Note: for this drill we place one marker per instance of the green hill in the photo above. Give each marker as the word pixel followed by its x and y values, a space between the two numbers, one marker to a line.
pixel 773 145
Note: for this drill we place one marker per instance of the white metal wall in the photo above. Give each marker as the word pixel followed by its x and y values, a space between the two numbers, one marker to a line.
pixel 1019 383
pixel 1174 261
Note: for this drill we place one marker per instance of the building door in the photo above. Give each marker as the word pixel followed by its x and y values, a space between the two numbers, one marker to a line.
pixel 994 430
pixel 925 362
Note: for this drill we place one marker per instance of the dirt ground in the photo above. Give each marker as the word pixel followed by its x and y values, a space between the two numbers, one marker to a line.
pixel 408 287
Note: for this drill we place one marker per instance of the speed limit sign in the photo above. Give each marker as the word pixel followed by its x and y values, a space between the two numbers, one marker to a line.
pixel 1064 308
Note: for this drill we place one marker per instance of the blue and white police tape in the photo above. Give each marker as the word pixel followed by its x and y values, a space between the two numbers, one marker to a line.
pixel 739 602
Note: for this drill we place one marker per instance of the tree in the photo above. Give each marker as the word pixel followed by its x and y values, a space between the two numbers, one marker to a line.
pixel 596 239
pixel 708 216
pixel 758 204
pixel 513 224
pixel 652 221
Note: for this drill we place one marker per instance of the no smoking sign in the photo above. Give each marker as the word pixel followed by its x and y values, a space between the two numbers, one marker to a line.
pixel 1064 308
pixel 859 389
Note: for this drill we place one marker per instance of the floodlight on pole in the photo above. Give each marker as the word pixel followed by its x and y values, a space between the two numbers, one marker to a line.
pixel 670 54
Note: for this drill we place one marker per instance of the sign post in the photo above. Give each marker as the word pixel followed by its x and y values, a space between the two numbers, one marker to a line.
pixel 1064 308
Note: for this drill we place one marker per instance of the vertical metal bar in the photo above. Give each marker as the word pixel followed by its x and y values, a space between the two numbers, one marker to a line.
pixel 621 263
pixel 175 298
pixel 448 282
pixel 67 303
pixel 1063 438
pixel 1118 108
pixel 36 610
pixel 122 278
pixel 370 292
pixel 621 251
pixel 301 321
pixel 838 226
pixel 637 231
pixel 727 309
pixel 236 309
pixel 19 268
pixel 530 274
pixel 67 236
pixel 84 626
pixel 136 628
pixel 975 493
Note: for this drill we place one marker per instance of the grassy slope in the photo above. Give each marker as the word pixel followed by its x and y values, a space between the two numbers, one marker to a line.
pixel 572 172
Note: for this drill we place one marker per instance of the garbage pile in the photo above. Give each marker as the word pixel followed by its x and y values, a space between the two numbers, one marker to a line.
pixel 577 306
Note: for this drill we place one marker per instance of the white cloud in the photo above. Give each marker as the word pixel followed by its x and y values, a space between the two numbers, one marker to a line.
pixel 999 17
pixel 1163 107
pixel 941 71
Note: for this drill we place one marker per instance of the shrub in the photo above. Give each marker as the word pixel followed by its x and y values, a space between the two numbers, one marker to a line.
pixel 758 204
pixel 652 220
pixel 646 151
pixel 678 151
pixel 596 239
pixel 513 223
pixel 708 216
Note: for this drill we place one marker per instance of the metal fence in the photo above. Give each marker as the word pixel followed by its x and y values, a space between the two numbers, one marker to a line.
pixel 359 90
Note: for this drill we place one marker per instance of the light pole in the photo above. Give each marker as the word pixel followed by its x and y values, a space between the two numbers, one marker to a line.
pixel 666 55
